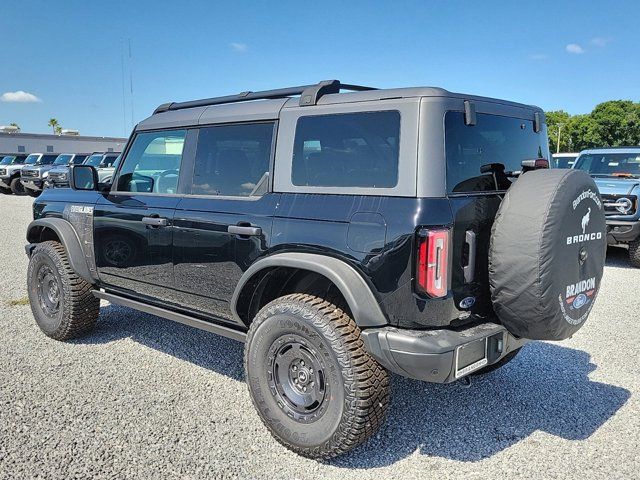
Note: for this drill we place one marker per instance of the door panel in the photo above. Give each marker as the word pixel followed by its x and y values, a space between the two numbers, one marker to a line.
pixel 208 259
pixel 134 253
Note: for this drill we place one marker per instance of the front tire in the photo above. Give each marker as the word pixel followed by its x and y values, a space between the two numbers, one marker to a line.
pixel 315 387
pixel 62 303
pixel 634 252
pixel 32 193
pixel 16 186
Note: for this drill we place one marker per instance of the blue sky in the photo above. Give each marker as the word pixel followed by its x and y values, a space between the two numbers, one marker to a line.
pixel 68 54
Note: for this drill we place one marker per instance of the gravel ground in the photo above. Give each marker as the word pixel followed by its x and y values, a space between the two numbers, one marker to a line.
pixel 144 397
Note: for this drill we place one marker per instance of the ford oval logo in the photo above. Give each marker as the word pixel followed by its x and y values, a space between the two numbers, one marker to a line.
pixel 467 302
pixel 579 301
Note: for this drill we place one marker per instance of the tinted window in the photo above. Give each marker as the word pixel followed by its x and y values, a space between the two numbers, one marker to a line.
pixel 610 164
pixel 78 159
pixel 108 161
pixel 48 159
pixel 153 163
pixel 563 162
pixel 347 150
pixel 233 160
pixel 484 157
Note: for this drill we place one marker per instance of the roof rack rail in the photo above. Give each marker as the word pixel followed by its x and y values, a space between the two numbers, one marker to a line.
pixel 309 95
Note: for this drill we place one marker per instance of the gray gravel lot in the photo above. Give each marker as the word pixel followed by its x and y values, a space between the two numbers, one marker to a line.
pixel 144 397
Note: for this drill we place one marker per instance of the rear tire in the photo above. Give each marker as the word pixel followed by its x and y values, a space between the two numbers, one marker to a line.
pixel 16 186
pixel 5 191
pixel 32 193
pixel 62 303
pixel 634 253
pixel 315 387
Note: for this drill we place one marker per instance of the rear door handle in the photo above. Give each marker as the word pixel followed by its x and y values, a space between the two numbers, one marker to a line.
pixel 470 269
pixel 244 230
pixel 154 221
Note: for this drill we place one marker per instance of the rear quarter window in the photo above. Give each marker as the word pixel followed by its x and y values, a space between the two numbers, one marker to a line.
pixel 347 150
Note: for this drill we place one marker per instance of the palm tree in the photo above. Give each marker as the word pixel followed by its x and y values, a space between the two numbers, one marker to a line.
pixel 14 124
pixel 53 123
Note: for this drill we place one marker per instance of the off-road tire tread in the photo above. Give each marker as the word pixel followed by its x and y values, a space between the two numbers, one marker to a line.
pixel 634 252
pixel 366 381
pixel 81 307
pixel 15 187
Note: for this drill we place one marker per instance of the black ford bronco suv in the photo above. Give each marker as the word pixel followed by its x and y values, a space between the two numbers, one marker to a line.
pixel 339 235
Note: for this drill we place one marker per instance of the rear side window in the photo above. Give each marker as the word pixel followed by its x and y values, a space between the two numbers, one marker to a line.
pixel 233 160
pixel 48 159
pixel 347 150
pixel 484 157
pixel 78 159
pixel 152 164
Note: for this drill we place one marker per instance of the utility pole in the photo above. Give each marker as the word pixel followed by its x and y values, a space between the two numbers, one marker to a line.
pixel 559 130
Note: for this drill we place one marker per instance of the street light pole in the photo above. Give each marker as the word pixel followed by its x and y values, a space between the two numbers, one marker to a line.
pixel 559 130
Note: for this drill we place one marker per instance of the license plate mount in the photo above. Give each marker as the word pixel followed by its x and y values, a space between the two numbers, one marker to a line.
pixel 470 357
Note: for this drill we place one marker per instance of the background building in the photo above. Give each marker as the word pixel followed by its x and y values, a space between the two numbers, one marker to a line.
pixel 47 143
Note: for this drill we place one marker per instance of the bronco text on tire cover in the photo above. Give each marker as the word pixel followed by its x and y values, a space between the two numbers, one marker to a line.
pixel 547 254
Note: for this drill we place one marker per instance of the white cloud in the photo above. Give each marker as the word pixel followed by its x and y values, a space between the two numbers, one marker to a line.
pixel 600 41
pixel 19 97
pixel 239 47
pixel 575 48
pixel 539 56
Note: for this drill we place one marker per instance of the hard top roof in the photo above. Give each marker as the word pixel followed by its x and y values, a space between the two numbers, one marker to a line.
pixel 253 106
pixel 629 149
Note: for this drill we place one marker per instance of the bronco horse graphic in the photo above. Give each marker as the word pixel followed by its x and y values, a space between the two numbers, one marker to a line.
pixel 585 220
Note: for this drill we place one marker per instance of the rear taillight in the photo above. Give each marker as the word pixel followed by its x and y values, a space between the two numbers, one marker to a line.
pixel 432 268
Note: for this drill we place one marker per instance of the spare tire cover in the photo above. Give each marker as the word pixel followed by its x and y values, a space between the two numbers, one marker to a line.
pixel 547 254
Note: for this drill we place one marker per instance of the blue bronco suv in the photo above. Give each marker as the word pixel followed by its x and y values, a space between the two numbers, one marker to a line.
pixel 616 171
pixel 341 232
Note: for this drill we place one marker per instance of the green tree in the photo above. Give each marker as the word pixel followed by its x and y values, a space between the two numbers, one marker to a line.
pixel 610 124
pixel 558 123
pixel 53 123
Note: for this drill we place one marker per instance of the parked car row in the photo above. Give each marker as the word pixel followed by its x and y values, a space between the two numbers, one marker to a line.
pixel 30 174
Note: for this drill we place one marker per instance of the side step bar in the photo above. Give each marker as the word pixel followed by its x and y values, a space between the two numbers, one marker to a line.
pixel 170 315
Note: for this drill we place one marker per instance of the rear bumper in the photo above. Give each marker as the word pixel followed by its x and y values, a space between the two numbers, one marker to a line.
pixel 622 232
pixel 432 355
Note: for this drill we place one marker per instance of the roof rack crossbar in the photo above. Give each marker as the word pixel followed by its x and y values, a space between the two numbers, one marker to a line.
pixel 309 95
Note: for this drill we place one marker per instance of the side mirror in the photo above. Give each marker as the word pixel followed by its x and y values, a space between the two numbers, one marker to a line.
pixel 83 177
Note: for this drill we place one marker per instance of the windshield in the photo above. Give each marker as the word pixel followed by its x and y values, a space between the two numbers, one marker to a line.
pixel 8 160
pixel 564 161
pixel 487 156
pixel 63 159
pixel 610 164
pixel 94 160
pixel 32 159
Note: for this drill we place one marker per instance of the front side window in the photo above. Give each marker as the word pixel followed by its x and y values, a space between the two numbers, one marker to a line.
pixel 347 150
pixel 488 156
pixel 47 159
pixel 233 160
pixel 610 164
pixel 153 163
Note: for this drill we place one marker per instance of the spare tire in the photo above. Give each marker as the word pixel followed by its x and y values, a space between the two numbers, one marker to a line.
pixel 547 254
